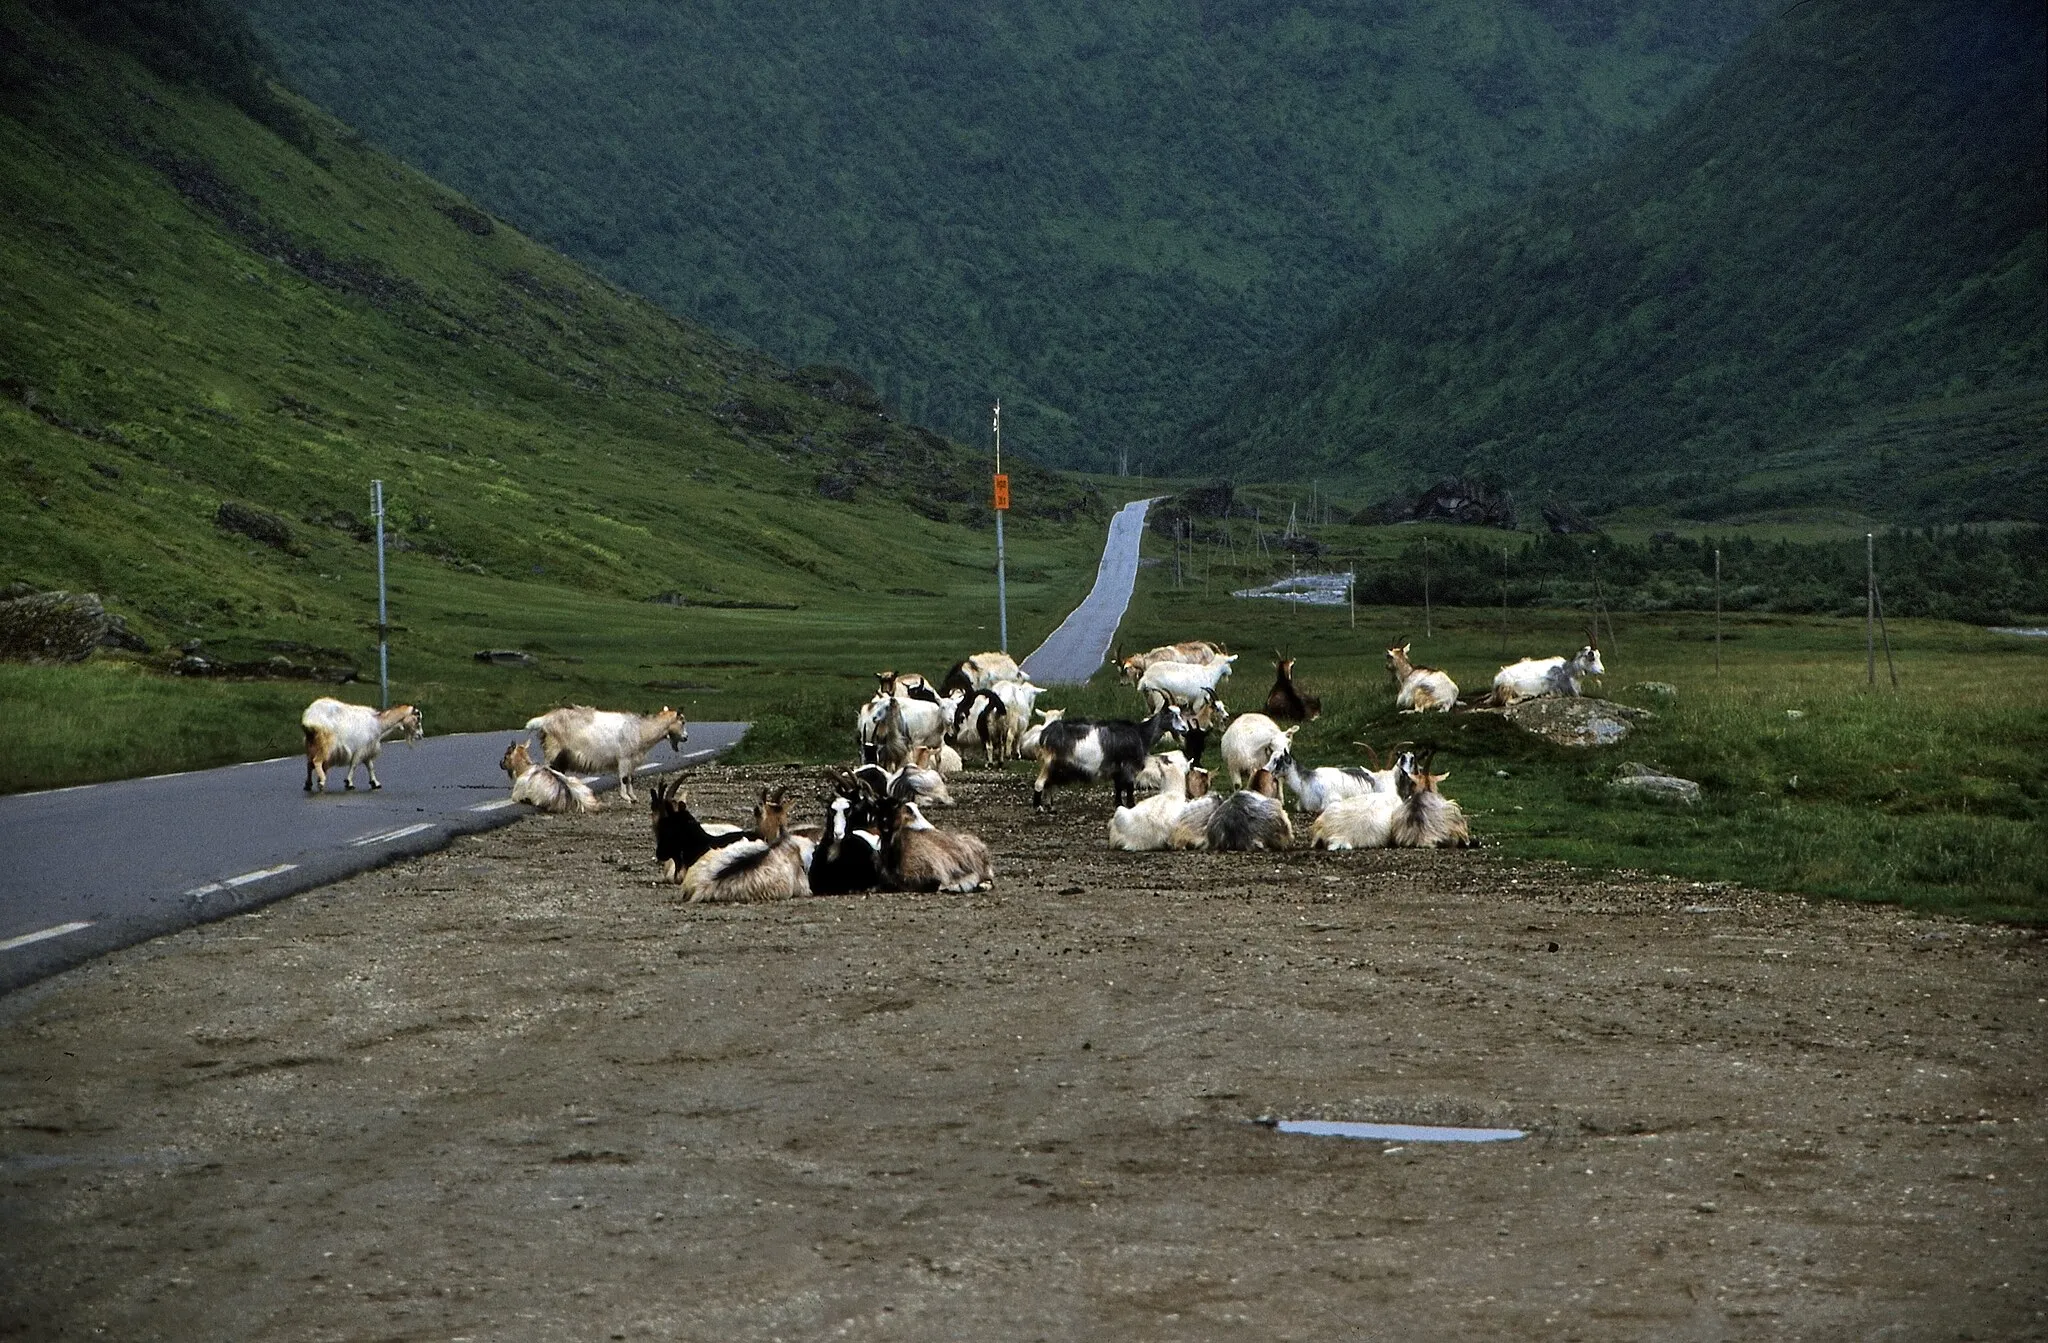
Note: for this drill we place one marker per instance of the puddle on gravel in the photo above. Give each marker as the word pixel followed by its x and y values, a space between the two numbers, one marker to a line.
pixel 1332 1128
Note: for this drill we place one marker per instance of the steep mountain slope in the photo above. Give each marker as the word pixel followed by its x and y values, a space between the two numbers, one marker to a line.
pixel 1824 280
pixel 1101 212
pixel 202 314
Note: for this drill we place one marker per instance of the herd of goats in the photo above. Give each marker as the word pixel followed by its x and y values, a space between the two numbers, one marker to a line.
pixel 876 835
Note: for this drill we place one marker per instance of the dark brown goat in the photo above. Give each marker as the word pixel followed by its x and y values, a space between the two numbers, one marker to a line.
pixel 1286 702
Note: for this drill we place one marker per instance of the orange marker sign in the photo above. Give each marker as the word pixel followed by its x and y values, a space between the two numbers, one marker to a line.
pixel 1002 493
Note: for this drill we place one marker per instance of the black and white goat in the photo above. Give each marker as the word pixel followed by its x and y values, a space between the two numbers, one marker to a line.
pixel 680 839
pixel 774 866
pixel 982 720
pixel 849 852
pixel 1082 751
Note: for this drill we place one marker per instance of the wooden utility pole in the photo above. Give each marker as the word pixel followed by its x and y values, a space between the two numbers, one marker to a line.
pixel 1426 614
pixel 1503 601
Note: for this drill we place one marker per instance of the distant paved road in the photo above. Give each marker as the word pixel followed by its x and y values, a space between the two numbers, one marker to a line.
pixel 1073 651
pixel 86 870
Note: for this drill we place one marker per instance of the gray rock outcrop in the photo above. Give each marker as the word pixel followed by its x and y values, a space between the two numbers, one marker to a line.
pixel 1576 720
pixel 52 627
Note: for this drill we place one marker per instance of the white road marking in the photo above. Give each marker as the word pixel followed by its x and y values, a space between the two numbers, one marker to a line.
pixel 386 836
pixel 42 935
pixel 243 880
pixel 499 805
pixel 699 755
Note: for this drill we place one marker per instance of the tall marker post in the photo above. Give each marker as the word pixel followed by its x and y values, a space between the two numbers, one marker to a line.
pixel 1002 502
pixel 383 613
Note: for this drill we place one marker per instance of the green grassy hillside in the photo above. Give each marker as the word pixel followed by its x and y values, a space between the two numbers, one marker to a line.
pixel 1824 281
pixel 201 311
pixel 1102 212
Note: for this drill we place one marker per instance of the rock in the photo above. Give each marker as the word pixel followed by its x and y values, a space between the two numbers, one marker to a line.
pixel 669 598
pixel 266 528
pixel 505 657
pixel 1662 691
pixel 1576 721
pixel 1565 519
pixel 1651 784
pixel 118 635
pixel 52 627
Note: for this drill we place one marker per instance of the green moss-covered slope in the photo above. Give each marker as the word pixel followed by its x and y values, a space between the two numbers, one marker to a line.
pixel 200 312
pixel 1823 281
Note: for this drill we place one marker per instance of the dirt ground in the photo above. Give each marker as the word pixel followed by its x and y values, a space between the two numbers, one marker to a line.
pixel 518 1091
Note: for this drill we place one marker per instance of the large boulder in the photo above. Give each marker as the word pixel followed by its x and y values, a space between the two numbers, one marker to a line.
pixel 1576 720
pixel 52 627
pixel 266 528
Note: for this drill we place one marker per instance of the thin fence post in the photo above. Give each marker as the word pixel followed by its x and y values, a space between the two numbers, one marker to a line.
pixel 1877 600
pixel 1870 607
pixel 383 612
pixel 1503 601
pixel 1351 596
pixel 1717 610
pixel 1427 615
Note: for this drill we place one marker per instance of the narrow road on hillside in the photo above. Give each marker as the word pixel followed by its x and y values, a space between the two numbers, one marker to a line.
pixel 107 865
pixel 1071 653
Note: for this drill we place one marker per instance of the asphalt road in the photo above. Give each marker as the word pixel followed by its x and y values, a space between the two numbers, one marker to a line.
pixel 86 870
pixel 1071 653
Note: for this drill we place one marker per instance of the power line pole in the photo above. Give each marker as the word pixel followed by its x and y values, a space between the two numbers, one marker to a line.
pixel 1002 506
pixel 383 612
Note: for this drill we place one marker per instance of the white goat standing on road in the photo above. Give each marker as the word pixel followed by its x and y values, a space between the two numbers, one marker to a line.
pixel 580 737
pixel 352 734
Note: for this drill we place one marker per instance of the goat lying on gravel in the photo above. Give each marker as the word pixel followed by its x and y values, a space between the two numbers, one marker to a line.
pixel 352 734
pixel 1148 825
pixel 918 856
pixel 680 839
pixel 1248 819
pixel 775 866
pixel 1414 816
pixel 542 788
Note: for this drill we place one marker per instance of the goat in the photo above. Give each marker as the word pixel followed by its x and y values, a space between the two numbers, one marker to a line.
pixel 918 856
pixel 580 737
pixel 848 854
pixel 1286 701
pixel 1414 816
pixel 1027 745
pixel 352 734
pixel 982 671
pixel 1315 789
pixel 926 784
pixel 1201 723
pixel 906 685
pixel 1197 651
pixel 1188 684
pixel 1419 689
pixel 1538 678
pixel 1148 825
pixel 1153 777
pixel 1248 819
pixel 776 866
pixel 1020 699
pixel 1251 740
pixel 680 839
pixel 1082 751
pixel 907 724
pixel 982 720
pixel 543 788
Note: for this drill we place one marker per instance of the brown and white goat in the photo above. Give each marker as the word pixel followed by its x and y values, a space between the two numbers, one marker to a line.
pixel 1198 651
pixel 1414 816
pixel 918 856
pixel 542 788
pixel 352 734
pixel 580 737
pixel 1249 819
pixel 1419 689
pixel 774 867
